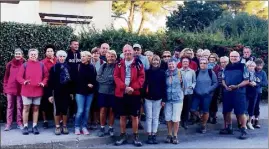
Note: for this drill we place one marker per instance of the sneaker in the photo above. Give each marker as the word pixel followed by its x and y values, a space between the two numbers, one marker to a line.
pixel 149 141
pixel 35 130
pixel 57 131
pixel 85 131
pixel 140 126
pixel 203 129
pixel 65 130
pixel 136 141
pixel 111 132
pixel 7 128
pixel 154 140
pixel 226 131
pixel 169 139
pixel 175 140
pixel 20 127
pixel 77 131
pixel 25 131
pixel 122 140
pixel 249 125
pixel 129 124
pixel 243 134
pixel 45 125
pixel 102 132
pixel 214 120
pixel 256 124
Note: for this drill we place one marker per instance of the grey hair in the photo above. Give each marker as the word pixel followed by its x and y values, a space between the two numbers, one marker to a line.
pixel 31 50
pixel 113 52
pixel 18 50
pixel 61 53
pixel 226 58
pixel 248 63
pixel 149 53
pixel 86 53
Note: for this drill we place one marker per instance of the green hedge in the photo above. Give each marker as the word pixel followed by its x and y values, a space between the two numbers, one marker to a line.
pixel 25 36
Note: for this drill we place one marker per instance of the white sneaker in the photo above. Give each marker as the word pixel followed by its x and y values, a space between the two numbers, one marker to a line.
pixel 249 125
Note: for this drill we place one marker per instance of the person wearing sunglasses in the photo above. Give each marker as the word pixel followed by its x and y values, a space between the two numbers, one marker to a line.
pixel 165 57
pixel 188 52
pixel 206 83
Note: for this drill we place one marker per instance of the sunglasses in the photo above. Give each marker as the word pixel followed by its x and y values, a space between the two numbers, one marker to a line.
pixel 166 56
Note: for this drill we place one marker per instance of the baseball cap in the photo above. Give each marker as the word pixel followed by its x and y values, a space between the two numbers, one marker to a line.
pixel 137 46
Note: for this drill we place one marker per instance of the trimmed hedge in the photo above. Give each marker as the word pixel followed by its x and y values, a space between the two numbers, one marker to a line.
pixel 26 36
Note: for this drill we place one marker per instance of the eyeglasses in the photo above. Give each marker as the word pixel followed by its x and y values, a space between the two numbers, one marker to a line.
pixel 165 56
pixel 212 57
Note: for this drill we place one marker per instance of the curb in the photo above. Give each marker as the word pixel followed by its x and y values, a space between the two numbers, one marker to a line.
pixel 93 141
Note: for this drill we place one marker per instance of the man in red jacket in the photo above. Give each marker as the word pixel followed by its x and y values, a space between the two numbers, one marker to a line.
pixel 33 76
pixel 129 76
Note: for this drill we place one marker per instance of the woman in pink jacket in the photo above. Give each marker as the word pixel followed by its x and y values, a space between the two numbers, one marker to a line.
pixel 12 89
pixel 33 76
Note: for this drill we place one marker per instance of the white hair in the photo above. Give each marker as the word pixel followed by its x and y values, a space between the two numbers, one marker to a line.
pixel 206 51
pixel 199 51
pixel 18 50
pixel 149 53
pixel 249 63
pixel 87 53
pixel 113 52
pixel 61 53
pixel 32 50
pixel 235 52
pixel 224 58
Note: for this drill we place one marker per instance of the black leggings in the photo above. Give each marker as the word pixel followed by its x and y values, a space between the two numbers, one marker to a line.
pixel 187 101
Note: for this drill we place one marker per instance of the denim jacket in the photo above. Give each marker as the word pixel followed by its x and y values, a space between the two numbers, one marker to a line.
pixel 174 89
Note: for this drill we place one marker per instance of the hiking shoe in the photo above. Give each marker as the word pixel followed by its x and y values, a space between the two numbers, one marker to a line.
pixel 175 140
pixel 203 129
pixel 249 125
pixel 111 132
pixel 140 126
pixel 25 131
pixel 77 131
pixel 149 141
pixel 169 139
pixel 122 140
pixel 35 130
pixel 57 131
pixel 20 127
pixel 256 124
pixel 102 132
pixel 65 130
pixel 214 120
pixel 243 134
pixel 154 140
pixel 129 124
pixel 226 131
pixel 45 125
pixel 85 131
pixel 136 141
pixel 7 128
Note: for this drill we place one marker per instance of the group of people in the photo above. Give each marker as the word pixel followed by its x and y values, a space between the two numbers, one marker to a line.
pixel 100 84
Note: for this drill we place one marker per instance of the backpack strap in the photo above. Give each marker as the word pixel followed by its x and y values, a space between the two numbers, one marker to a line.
pixel 78 67
pixel 210 73
pixel 197 73
pixel 42 67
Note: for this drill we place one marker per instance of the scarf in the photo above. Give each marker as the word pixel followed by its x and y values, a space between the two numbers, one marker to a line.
pixel 64 74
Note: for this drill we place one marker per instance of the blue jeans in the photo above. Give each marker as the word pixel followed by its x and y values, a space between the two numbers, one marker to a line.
pixel 83 107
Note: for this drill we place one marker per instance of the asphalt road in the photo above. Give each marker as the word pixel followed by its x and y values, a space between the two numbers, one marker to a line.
pixel 258 138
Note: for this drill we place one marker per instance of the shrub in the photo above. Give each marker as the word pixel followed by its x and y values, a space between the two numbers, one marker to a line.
pixel 25 36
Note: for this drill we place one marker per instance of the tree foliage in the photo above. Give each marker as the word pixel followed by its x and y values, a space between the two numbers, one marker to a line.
pixel 194 16
pixel 146 9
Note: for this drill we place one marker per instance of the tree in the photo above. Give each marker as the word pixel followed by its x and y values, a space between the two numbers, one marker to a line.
pixel 194 16
pixel 257 8
pixel 146 9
